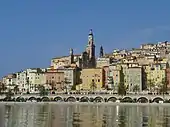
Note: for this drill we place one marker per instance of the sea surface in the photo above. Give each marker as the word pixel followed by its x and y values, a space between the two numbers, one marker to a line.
pixel 83 115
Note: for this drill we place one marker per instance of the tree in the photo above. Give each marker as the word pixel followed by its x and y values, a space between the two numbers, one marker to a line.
pixel 93 85
pixel 9 94
pixel 121 89
pixel 43 91
pixel 150 85
pixel 136 88
pixel 3 87
pixel 53 85
pixel 163 88
pixel 16 89
pixel 73 87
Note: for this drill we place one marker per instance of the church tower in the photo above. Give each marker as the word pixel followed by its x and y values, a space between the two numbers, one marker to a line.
pixel 101 52
pixel 71 56
pixel 91 49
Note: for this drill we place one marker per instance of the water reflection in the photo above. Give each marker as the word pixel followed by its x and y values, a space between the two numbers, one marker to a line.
pixel 74 115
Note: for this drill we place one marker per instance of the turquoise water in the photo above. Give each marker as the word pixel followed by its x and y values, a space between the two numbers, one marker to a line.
pixel 81 115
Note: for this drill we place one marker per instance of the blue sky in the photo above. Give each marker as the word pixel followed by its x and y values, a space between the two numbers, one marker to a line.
pixel 34 31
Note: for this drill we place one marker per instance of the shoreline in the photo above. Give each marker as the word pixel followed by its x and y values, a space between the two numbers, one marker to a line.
pixel 85 103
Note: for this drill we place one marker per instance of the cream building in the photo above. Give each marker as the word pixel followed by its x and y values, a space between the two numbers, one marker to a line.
pixel 9 81
pixel 101 62
pixel 114 77
pixel 134 78
pixel 35 78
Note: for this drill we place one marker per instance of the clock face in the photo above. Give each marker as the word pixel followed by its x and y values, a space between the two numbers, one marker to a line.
pixel 90 37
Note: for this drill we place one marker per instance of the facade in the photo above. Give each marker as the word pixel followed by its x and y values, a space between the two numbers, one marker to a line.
pixel 134 80
pixel 9 81
pixel 54 79
pixel 92 78
pixel 101 62
pixel 71 76
pixel 35 78
pixel 156 73
pixel 168 78
pixel 115 76
pixel 21 81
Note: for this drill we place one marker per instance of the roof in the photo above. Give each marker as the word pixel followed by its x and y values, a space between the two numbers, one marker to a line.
pixel 60 57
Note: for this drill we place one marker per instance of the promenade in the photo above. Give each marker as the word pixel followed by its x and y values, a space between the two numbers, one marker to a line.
pixel 132 98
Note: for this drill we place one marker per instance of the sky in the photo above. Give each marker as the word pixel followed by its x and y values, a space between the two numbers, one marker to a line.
pixel 34 31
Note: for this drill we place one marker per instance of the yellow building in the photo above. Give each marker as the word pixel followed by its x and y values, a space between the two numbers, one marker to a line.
pixel 91 77
pixel 155 74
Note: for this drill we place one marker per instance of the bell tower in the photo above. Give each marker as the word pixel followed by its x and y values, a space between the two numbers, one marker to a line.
pixel 91 49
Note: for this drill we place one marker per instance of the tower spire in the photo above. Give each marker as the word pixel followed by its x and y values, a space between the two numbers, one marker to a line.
pixel 101 51
pixel 91 32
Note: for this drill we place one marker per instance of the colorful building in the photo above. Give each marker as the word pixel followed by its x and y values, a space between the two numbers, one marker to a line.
pixel 92 78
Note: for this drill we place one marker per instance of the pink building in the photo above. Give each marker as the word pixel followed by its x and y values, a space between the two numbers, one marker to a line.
pixel 106 74
pixel 54 78
pixel 168 77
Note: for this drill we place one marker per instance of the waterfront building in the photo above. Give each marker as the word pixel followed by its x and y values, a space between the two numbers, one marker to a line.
pixel 54 79
pixel 71 75
pixel 21 81
pixel 134 80
pixel 168 78
pixel 114 76
pixel 92 79
pixel 35 78
pixel 9 81
pixel 155 74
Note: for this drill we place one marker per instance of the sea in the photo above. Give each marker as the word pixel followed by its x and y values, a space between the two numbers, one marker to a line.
pixel 84 115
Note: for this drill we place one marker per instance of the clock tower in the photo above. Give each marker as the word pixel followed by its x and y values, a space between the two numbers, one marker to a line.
pixel 91 49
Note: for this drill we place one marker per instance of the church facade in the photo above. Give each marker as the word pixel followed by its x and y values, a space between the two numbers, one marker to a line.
pixel 86 59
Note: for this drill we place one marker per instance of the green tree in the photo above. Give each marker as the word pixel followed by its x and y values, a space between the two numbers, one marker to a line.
pixel 16 89
pixel 53 85
pixel 163 88
pixel 43 91
pixel 136 88
pixel 150 85
pixel 73 87
pixel 9 94
pixel 93 86
pixel 3 87
pixel 121 89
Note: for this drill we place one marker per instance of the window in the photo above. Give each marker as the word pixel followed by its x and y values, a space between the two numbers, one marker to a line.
pixel 98 80
pixel 92 80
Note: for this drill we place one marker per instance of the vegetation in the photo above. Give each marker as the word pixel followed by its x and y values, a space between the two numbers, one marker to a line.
pixel 136 88
pixel 93 86
pixel 121 89
pixel 16 89
pixel 73 87
pixel 2 88
pixel 150 84
pixel 163 88
pixel 9 94
pixel 43 91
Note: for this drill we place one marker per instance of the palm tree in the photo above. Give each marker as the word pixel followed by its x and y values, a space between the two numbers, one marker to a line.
pixel 150 85
pixel 42 91
pixel 163 88
pixel 93 85
pixel 3 87
pixel 121 89
pixel 136 88
pixel 16 89
pixel 9 94
pixel 53 86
